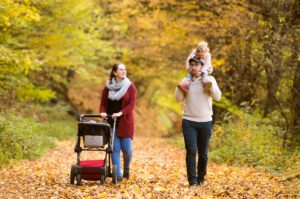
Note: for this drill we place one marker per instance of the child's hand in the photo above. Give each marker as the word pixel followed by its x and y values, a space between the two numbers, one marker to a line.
pixel 184 85
pixel 185 82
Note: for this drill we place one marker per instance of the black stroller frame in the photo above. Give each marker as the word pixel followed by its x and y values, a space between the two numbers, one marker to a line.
pixel 95 136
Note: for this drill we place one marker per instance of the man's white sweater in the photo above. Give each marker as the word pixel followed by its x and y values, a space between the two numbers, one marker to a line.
pixel 198 104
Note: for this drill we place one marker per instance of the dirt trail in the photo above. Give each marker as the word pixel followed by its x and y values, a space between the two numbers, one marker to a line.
pixel 158 171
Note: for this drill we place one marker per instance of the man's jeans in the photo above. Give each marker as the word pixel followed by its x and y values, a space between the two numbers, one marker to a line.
pixel 196 136
pixel 123 144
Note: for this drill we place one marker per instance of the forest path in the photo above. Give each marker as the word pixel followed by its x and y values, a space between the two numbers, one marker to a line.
pixel 157 171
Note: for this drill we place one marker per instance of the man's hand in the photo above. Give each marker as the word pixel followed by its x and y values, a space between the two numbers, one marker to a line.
pixel 103 115
pixel 116 115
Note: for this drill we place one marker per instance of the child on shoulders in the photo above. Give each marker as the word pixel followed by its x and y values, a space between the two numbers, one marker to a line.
pixel 200 52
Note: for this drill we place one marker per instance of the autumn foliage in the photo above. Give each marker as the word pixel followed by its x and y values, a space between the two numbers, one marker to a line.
pixel 55 56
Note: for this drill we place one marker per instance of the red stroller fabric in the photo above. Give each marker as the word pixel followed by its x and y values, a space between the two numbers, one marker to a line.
pixel 92 163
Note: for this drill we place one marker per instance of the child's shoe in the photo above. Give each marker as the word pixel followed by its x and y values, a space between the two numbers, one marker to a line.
pixel 207 87
pixel 184 86
pixel 206 84
pixel 183 89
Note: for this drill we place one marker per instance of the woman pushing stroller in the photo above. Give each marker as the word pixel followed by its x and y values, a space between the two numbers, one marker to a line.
pixel 118 100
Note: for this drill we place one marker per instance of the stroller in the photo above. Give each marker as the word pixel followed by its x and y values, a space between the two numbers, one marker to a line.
pixel 96 136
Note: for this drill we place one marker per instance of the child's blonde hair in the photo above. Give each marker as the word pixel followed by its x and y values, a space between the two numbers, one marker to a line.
pixel 202 47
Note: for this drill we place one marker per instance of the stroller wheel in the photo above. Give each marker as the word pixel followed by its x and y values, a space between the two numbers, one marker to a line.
pixel 78 180
pixel 72 175
pixel 102 179
pixel 114 175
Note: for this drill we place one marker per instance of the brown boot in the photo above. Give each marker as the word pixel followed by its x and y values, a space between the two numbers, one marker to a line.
pixel 184 86
pixel 184 90
pixel 207 87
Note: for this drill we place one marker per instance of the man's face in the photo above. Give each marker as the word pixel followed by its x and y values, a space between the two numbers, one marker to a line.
pixel 195 68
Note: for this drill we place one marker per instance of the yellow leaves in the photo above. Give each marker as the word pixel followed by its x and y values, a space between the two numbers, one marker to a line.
pixel 5 20
pixel 145 23
pixel 219 64
pixel 265 23
pixel 30 92
pixel 157 171
pixel 168 102
pixel 282 20
pixel 19 13
pixel 102 194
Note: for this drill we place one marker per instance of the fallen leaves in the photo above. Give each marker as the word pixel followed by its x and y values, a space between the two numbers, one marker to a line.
pixel 157 171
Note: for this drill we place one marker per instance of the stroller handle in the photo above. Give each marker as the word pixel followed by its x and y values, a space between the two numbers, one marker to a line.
pixel 89 115
pixel 99 116
pixel 92 115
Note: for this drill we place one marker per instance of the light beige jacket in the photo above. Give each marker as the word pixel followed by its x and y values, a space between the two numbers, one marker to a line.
pixel 198 104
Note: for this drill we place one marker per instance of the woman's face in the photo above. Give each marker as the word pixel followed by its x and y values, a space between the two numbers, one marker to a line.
pixel 120 72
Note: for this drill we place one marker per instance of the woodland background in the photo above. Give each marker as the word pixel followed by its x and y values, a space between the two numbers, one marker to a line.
pixel 55 56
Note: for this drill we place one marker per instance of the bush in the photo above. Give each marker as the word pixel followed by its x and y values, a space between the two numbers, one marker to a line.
pixel 246 139
pixel 56 122
pixel 28 137
pixel 249 140
pixel 21 138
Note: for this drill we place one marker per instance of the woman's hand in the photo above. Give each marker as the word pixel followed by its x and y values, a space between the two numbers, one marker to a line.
pixel 103 115
pixel 117 114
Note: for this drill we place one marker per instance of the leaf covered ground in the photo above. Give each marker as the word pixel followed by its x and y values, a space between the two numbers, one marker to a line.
pixel 158 171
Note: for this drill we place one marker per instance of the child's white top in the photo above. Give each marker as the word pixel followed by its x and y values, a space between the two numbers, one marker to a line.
pixel 206 61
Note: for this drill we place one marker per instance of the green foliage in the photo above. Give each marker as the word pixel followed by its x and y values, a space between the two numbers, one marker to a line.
pixel 56 121
pixel 21 138
pixel 31 93
pixel 16 60
pixel 46 45
pixel 251 141
pixel 227 105
pixel 248 140
pixel 29 137
pixel 42 42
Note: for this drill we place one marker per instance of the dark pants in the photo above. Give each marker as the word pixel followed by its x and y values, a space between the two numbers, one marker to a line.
pixel 196 137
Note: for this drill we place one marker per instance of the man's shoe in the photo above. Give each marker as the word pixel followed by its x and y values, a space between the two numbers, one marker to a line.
pixel 126 174
pixel 200 182
pixel 193 185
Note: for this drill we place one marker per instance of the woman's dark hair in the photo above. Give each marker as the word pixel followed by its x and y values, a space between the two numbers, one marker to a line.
pixel 114 69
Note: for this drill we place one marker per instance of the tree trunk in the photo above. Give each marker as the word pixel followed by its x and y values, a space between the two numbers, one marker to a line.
pixel 296 98
pixel 295 102
pixel 273 79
